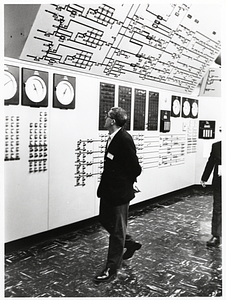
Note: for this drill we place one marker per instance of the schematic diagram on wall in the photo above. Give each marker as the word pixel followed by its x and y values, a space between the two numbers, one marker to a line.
pixel 172 150
pixel 153 151
pixel 166 46
pixel 89 159
pixel 211 83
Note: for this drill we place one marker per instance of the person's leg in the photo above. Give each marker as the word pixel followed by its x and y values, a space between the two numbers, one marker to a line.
pixel 117 236
pixel 131 246
pixel 105 216
pixel 216 219
pixel 114 220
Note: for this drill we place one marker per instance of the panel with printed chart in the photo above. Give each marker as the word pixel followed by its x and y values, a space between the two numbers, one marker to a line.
pixel 168 46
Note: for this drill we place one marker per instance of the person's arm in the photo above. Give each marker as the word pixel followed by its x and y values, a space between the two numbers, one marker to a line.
pixel 131 160
pixel 208 169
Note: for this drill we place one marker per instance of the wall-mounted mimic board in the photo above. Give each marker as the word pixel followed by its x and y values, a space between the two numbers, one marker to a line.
pixel 168 46
pixel 54 154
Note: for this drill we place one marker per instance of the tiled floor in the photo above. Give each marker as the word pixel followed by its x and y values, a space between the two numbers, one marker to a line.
pixel 173 261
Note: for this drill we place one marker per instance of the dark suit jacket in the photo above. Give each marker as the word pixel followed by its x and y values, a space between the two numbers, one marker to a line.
pixel 212 165
pixel 121 168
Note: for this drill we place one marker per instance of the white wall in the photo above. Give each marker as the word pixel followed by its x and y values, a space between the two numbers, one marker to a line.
pixel 36 202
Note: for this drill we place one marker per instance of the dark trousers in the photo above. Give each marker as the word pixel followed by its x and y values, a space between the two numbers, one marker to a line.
pixel 216 217
pixel 114 220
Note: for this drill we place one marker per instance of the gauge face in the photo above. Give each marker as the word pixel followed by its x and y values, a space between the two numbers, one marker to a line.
pixel 10 85
pixel 65 92
pixel 186 108
pixel 35 88
pixel 194 109
pixel 176 107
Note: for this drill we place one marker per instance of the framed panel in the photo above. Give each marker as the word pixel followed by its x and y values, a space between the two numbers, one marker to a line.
pixel 107 100
pixel 11 85
pixel 153 106
pixel 175 106
pixel 34 88
pixel 63 91
pixel 194 108
pixel 124 101
pixel 139 109
pixel 164 121
pixel 186 107
pixel 206 129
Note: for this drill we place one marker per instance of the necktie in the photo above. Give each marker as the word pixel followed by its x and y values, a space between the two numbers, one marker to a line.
pixel 108 142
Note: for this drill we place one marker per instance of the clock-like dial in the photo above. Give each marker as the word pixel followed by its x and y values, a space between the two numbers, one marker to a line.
pixel 35 88
pixel 10 85
pixel 186 108
pixel 194 109
pixel 65 92
pixel 176 107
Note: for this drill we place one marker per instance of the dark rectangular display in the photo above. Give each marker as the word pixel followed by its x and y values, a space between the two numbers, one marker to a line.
pixel 164 121
pixel 107 100
pixel 153 106
pixel 206 129
pixel 124 101
pixel 139 109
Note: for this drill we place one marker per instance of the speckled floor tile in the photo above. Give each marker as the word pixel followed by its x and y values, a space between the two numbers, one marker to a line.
pixel 173 261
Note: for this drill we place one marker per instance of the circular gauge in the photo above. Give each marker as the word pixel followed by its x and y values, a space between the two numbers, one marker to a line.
pixel 186 108
pixel 176 107
pixel 35 88
pixel 10 85
pixel 65 92
pixel 194 109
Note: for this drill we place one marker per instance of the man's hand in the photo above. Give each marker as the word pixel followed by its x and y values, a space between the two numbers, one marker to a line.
pixel 135 188
pixel 203 183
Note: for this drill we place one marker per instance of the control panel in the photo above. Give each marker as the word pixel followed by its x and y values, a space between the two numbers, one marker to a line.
pixel 55 149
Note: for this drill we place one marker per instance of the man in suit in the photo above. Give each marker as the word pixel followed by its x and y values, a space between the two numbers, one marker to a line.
pixel 214 164
pixel 121 168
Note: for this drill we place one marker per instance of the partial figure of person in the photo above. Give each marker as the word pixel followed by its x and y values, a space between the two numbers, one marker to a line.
pixel 121 169
pixel 214 164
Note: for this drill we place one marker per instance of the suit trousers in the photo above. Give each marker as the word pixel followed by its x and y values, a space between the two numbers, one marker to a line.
pixel 216 217
pixel 114 220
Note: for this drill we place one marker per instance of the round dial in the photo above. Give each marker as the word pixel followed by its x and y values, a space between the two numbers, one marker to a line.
pixel 35 88
pixel 186 108
pixel 176 106
pixel 10 85
pixel 65 92
pixel 194 109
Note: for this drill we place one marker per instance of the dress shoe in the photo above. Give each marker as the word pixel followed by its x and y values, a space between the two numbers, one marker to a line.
pixel 214 241
pixel 106 275
pixel 130 250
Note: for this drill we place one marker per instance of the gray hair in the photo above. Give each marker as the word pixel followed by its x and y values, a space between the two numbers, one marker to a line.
pixel 119 115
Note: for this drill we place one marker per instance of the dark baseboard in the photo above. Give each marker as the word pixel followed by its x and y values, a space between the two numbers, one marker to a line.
pixel 26 242
pixel 52 234
pixel 161 198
